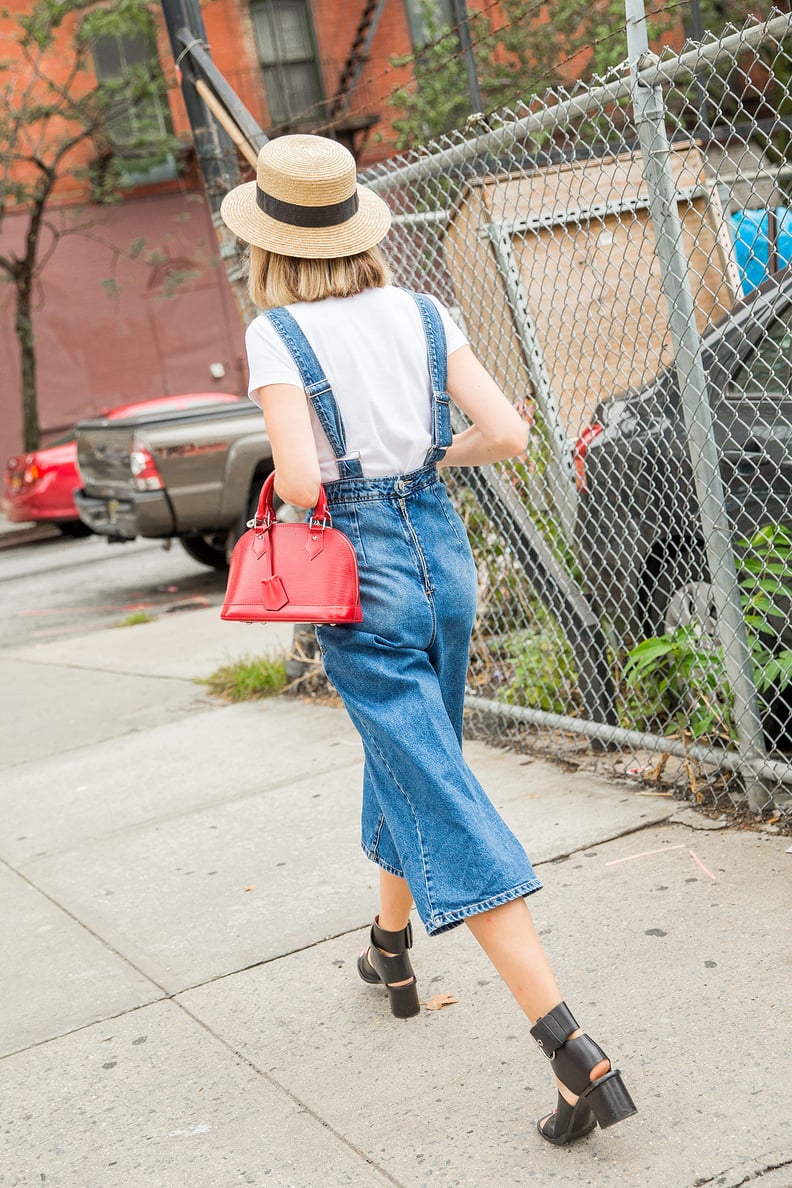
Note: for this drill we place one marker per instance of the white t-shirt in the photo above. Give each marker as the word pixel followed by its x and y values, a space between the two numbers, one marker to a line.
pixel 372 349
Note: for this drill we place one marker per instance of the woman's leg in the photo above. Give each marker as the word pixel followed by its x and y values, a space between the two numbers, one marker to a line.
pixel 395 906
pixel 508 937
pixel 395 902
pixel 386 960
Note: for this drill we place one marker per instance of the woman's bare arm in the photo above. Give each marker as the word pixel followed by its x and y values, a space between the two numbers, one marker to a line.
pixel 498 431
pixel 288 422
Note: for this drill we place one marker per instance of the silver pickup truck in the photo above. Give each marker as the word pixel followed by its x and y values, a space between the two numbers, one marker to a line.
pixel 194 476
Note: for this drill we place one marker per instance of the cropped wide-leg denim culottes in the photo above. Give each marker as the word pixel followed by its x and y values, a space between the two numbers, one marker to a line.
pixel 401 675
pixel 401 672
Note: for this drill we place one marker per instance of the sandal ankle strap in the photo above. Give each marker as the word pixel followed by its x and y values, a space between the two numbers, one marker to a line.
pixel 392 942
pixel 553 1030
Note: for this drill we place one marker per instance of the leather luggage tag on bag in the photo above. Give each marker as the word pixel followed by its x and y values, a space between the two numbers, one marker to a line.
pixel 273 593
pixel 315 543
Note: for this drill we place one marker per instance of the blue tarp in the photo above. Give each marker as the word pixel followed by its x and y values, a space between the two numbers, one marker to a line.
pixel 749 230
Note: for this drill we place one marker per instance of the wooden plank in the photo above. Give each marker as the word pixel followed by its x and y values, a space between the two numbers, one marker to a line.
pixel 592 287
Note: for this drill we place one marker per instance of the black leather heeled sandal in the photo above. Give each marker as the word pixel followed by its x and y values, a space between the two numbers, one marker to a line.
pixel 376 968
pixel 602 1102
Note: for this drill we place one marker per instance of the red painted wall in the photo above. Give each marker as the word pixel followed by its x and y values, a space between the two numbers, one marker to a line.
pixel 106 330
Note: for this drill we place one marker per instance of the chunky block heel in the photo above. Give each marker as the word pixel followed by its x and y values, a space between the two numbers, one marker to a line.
pixel 609 1100
pixel 377 968
pixel 604 1101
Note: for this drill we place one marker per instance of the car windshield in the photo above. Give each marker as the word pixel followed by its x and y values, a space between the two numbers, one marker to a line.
pixel 765 371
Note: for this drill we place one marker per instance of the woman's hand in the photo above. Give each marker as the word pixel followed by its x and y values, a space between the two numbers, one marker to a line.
pixel 288 422
pixel 498 431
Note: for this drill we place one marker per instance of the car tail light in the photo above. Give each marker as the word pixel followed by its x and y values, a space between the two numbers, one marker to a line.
pixel 581 449
pixel 32 473
pixel 144 470
pixel 13 475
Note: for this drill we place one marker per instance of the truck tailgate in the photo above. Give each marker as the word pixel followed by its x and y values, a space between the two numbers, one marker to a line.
pixel 103 456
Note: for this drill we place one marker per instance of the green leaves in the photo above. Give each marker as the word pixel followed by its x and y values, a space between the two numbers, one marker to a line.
pixel 686 669
pixel 438 101
pixel 533 48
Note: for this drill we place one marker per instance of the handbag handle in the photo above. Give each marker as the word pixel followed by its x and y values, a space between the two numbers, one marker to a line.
pixel 265 512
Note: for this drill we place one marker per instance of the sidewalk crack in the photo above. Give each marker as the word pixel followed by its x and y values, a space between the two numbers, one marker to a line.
pixel 746 1175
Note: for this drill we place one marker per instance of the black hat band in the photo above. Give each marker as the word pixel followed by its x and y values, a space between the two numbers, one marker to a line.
pixel 307 216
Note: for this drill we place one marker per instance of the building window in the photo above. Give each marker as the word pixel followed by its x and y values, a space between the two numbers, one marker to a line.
pixel 420 13
pixel 287 53
pixel 139 135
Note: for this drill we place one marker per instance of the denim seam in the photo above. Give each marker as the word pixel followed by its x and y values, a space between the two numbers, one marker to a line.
pixel 359 537
pixel 428 584
pixel 444 920
pixel 427 882
pixel 375 858
pixel 378 832
pixel 437 357
pixel 436 493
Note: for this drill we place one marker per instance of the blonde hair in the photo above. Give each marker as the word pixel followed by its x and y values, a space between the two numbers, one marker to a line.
pixel 275 280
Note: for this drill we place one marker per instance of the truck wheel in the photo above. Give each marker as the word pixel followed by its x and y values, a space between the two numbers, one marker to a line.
pixel 74 528
pixel 206 550
pixel 680 595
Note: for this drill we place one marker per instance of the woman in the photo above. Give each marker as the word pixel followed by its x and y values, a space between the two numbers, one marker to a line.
pixel 353 376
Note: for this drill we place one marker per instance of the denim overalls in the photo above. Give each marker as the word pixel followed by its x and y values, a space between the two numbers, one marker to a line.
pixel 401 673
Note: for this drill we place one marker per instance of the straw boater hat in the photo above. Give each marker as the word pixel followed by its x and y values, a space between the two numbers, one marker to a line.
pixel 306 202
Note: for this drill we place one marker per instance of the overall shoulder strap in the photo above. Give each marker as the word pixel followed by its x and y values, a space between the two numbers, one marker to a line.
pixel 317 387
pixel 437 352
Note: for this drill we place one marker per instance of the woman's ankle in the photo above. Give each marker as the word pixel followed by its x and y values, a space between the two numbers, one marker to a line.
pixel 395 922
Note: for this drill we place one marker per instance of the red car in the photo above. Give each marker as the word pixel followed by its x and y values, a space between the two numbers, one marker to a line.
pixel 40 486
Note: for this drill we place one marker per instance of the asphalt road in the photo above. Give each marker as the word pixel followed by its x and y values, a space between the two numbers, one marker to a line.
pixel 59 587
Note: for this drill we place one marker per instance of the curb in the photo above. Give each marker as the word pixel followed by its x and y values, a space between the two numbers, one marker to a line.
pixel 19 534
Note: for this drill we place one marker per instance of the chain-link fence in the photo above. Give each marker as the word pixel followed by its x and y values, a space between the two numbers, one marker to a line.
pixel 616 255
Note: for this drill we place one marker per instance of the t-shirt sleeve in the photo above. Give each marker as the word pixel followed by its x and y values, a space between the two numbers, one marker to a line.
pixel 455 338
pixel 269 360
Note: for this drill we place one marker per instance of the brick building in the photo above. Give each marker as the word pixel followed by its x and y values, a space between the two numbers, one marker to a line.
pixel 137 303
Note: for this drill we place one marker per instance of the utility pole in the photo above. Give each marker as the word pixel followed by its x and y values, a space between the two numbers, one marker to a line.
pixel 462 25
pixel 702 99
pixel 216 154
pixel 214 111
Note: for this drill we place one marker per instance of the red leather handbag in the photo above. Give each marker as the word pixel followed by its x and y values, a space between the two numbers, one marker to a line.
pixel 292 573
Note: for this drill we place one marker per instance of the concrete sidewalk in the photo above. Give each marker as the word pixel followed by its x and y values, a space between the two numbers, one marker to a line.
pixel 183 901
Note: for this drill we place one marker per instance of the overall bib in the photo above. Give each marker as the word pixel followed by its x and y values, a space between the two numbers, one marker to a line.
pixel 401 673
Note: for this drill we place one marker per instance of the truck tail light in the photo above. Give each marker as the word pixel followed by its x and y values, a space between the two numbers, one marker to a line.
pixel 579 456
pixel 144 470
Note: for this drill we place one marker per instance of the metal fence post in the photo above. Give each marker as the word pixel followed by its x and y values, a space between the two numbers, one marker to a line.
pixel 649 111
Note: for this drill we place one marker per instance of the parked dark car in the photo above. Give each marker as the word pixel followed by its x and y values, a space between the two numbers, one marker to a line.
pixel 637 530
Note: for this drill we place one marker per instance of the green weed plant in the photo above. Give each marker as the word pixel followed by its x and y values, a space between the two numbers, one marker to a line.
pixel 248 678
pixel 136 617
pixel 684 672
